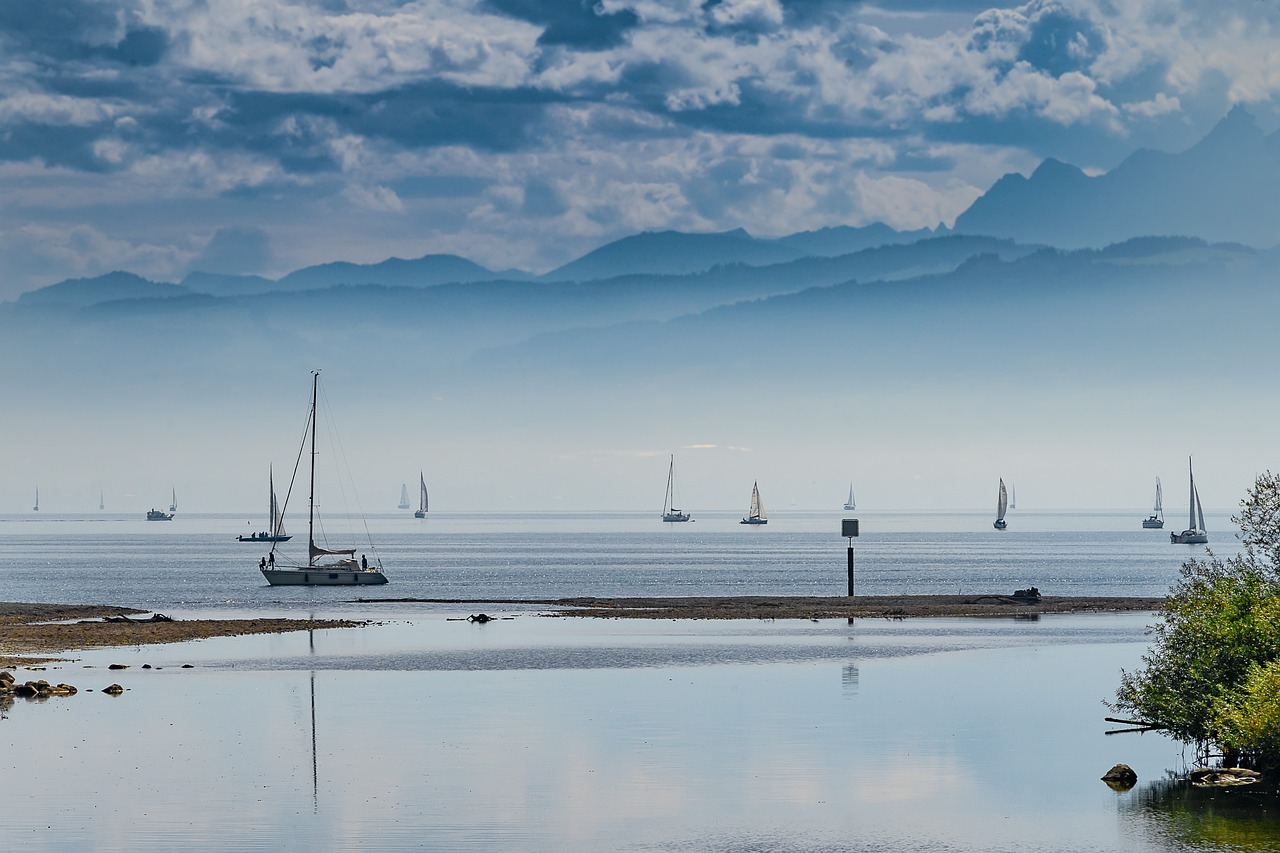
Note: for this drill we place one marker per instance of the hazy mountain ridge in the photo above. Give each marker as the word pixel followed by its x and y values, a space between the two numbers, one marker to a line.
pixel 1224 188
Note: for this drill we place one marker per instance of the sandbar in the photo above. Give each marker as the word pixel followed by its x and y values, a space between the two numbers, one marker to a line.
pixel 811 607
pixel 36 633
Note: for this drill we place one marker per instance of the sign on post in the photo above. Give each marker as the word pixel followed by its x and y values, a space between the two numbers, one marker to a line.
pixel 849 528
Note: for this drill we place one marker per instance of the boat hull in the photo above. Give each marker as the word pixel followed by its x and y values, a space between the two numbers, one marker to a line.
pixel 754 521
pixel 264 538
pixel 1000 524
pixel 157 515
pixel 1152 523
pixel 675 516
pixel 1189 537
pixel 419 514
pixel 323 577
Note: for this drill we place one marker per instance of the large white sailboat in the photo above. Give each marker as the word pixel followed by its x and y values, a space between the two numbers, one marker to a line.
pixel 1195 534
pixel 275 522
pixel 422 497
pixel 669 511
pixel 1002 506
pixel 755 513
pixel 849 504
pixel 346 570
pixel 1155 521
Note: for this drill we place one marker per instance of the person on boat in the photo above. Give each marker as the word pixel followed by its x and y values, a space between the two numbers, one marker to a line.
pixel 271 559
pixel 364 561
pixel 262 564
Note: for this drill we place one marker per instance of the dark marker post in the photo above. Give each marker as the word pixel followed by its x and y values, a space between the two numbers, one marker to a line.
pixel 849 529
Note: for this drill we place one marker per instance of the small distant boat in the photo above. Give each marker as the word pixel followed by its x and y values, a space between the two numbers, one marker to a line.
pixel 275 524
pixel 404 496
pixel 1156 520
pixel 173 501
pixel 1195 534
pixel 344 571
pixel 102 502
pixel 36 508
pixel 159 515
pixel 669 512
pixel 849 504
pixel 755 514
pixel 1002 506
pixel 422 497
pixel 1013 495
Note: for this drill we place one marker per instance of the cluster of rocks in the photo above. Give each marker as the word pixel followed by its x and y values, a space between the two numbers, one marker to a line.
pixel 32 689
pixel 11 688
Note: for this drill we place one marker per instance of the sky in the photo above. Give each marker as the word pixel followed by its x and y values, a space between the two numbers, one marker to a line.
pixel 260 136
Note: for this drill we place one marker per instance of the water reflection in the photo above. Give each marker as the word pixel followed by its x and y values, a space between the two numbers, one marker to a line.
pixel 1177 816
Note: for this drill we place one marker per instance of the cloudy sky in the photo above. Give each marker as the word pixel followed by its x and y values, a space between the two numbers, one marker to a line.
pixel 258 136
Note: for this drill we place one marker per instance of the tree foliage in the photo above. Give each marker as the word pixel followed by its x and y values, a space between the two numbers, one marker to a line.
pixel 1212 674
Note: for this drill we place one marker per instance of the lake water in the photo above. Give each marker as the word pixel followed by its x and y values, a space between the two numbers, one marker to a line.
pixel 194 562
pixel 427 732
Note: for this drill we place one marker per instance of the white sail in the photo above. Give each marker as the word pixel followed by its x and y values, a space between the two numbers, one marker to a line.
pixel 1002 502
pixel 757 506
pixel 1159 507
pixel 422 493
pixel 1200 512
pixel 173 502
pixel 849 504
pixel 277 520
pixel 404 496
pixel 1192 499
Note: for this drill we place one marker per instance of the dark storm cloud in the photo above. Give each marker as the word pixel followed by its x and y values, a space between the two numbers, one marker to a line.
pixel 580 24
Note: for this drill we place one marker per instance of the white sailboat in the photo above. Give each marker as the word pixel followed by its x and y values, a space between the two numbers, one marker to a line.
pixel 36 508
pixel 173 501
pixel 346 570
pixel 1156 520
pixel 669 512
pixel 275 522
pixel 1013 495
pixel 422 497
pixel 102 500
pixel 755 514
pixel 1002 506
pixel 849 504
pixel 1195 534
pixel 404 496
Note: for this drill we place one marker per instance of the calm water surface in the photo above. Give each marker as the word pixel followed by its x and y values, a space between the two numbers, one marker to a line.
pixel 425 731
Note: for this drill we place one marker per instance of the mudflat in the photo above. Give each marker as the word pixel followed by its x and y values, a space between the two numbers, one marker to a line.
pixel 36 633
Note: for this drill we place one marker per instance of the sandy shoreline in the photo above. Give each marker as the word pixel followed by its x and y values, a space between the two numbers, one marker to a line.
pixel 38 633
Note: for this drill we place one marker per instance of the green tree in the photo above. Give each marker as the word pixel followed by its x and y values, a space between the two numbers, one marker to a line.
pixel 1211 674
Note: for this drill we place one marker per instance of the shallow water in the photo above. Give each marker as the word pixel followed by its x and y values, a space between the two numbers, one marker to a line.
pixel 534 733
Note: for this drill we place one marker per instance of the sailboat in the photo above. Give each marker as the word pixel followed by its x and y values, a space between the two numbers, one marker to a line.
pixel 669 512
pixel 404 496
pixel 1195 534
pixel 1013 495
pixel 102 500
pixel 344 571
pixel 755 515
pixel 36 508
pixel 849 504
pixel 422 497
pixel 173 501
pixel 1156 520
pixel 1002 506
pixel 275 523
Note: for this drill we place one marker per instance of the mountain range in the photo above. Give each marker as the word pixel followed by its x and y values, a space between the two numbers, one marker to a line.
pixel 1067 326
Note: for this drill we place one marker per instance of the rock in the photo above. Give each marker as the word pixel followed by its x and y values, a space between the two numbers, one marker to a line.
pixel 1120 778
pixel 27 689
pixel 118 666
pixel 6 678
pixel 113 690
pixel 481 618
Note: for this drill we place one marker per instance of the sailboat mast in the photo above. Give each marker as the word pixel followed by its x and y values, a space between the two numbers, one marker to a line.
pixel 311 498
pixel 1191 518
